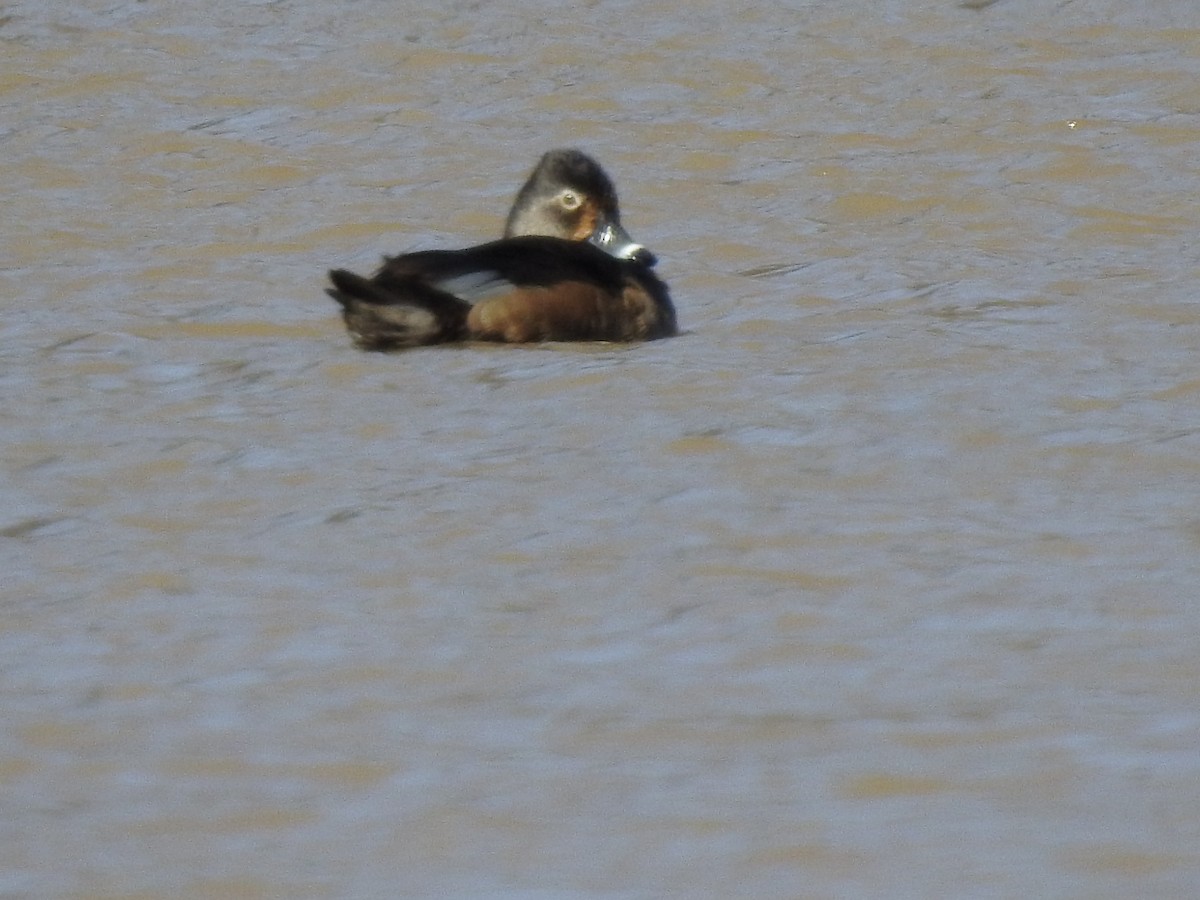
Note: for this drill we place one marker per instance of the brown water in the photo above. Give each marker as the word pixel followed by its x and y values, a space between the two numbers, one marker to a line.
pixel 880 581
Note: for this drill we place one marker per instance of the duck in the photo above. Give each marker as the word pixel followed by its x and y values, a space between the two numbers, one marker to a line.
pixel 564 270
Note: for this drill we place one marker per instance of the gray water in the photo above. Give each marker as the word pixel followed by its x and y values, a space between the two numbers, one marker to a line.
pixel 881 580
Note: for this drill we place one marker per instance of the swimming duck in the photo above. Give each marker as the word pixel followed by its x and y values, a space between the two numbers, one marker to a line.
pixel 565 270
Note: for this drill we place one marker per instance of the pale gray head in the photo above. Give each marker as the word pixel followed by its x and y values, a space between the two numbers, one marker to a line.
pixel 569 196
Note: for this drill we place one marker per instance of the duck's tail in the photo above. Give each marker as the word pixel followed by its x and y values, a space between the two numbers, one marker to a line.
pixel 398 313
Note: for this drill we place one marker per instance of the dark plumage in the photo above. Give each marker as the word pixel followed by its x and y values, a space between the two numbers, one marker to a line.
pixel 565 271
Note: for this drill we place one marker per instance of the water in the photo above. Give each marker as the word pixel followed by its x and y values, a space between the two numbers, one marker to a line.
pixel 879 581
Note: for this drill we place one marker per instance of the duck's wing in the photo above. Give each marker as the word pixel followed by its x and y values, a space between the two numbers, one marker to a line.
pixel 488 270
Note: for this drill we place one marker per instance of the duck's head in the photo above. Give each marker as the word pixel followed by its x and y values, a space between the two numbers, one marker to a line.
pixel 569 196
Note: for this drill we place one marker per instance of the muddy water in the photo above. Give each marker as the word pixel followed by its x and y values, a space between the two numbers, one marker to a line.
pixel 880 581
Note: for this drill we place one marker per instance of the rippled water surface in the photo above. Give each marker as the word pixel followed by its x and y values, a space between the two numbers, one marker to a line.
pixel 879 581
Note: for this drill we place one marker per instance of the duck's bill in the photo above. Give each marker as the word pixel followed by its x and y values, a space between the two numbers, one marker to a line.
pixel 616 241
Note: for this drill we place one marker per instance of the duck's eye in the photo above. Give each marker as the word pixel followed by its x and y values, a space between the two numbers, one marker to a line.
pixel 570 200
